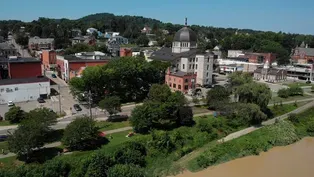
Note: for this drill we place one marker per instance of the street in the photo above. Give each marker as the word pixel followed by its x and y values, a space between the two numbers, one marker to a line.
pixel 23 52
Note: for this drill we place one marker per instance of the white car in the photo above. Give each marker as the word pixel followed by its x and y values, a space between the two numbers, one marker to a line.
pixel 10 103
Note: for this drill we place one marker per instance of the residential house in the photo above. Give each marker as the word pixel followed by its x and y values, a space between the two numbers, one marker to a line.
pixel 7 50
pixel 114 44
pixel 90 40
pixel 303 54
pixel 180 81
pixel 37 43
pixel 109 35
pixel 146 30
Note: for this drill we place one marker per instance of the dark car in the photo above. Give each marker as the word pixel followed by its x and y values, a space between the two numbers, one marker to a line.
pixel 77 107
pixel 53 76
pixel 207 86
pixel 41 100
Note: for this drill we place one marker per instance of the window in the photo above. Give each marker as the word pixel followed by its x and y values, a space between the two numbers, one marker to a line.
pixel 193 59
pixel 196 59
pixel 190 59
pixel 186 87
pixel 196 66
pixel 193 66
pixel 183 66
pixel 206 80
pixel 190 66
pixel 174 85
pixel 16 89
pixel 179 86
pixel 2 90
pixel 207 59
pixel 170 84
pixel 186 80
pixel 206 74
pixel 207 67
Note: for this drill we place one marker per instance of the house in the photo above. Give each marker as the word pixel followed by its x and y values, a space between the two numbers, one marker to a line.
pixel 303 54
pixel 109 35
pixel 24 89
pixel 49 60
pixel 90 40
pixel 7 50
pixel 252 57
pixel 37 43
pixel 146 30
pixel 114 44
pixel 125 52
pixel 70 66
pixel 180 81
pixel 96 55
pixel 269 74
pixel 186 58
pixel 235 53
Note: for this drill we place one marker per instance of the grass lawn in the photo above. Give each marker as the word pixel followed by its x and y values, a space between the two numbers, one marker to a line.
pixel 300 84
pixel 291 98
pixel 5 123
pixel 118 138
pixel 200 109
pixel 285 108
pixel 4 146
pixel 104 125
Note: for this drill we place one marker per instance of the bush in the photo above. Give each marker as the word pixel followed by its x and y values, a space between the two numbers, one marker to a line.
pixel 310 127
pixel 99 165
pixel 293 118
pixel 295 90
pixel 131 153
pixel 15 115
pixel 126 171
pixel 283 93
pixel 204 125
pixel 81 134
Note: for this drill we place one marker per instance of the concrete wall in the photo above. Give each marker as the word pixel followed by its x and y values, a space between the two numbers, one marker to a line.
pixel 23 92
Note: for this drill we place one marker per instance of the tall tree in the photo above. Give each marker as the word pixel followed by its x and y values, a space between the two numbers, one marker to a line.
pixel 111 104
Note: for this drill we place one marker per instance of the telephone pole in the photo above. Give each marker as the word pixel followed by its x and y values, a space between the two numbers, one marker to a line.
pixel 60 99
pixel 90 103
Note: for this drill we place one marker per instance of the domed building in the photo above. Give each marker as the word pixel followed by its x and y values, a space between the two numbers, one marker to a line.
pixel 190 66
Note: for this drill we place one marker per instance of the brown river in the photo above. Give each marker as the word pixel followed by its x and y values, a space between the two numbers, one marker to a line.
pixel 296 160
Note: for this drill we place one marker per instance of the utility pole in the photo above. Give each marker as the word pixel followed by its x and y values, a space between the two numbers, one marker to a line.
pixel 90 103
pixel 60 99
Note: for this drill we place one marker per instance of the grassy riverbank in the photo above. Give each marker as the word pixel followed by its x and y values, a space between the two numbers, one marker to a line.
pixel 279 134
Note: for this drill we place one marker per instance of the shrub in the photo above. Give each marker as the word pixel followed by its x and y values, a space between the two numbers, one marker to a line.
pixel 295 90
pixel 310 127
pixel 126 171
pixel 283 93
pixel 204 125
pixel 131 153
pixel 15 115
pixel 293 118
pixel 99 165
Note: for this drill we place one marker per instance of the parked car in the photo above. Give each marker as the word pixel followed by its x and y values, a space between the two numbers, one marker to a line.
pixel 308 81
pixel 53 76
pixel 10 103
pixel 40 100
pixel 3 137
pixel 77 107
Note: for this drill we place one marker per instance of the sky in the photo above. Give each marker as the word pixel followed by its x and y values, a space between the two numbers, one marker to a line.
pixel 294 16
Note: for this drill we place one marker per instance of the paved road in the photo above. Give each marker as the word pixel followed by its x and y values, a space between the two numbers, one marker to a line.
pixel 23 52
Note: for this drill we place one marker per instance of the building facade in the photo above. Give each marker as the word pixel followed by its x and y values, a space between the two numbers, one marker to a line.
pixel 7 50
pixel 27 89
pixel 303 54
pixel 269 74
pixel 37 43
pixel 186 58
pixel 49 60
pixel 180 81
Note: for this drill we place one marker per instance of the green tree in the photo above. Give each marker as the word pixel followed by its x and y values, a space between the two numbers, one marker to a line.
pixel 159 93
pixel 142 41
pixel 238 78
pixel 99 165
pixel 283 93
pixel 126 171
pixel 31 133
pixel 55 168
pixel 15 114
pixel 111 104
pixel 185 116
pixel 141 118
pixel 21 40
pixel 217 97
pixel 256 93
pixel 81 134
pixel 295 90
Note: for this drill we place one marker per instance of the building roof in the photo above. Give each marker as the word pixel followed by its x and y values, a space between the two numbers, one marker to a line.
pixel 19 60
pixel 73 58
pixel 165 54
pixel 6 46
pixel 185 34
pixel 306 51
pixel 179 73
pixel 23 80
pixel 36 40
pixel 270 71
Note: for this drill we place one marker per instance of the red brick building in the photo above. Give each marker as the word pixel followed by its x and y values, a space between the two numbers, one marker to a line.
pixel 49 59
pixel 71 66
pixel 24 68
pixel 180 81
pixel 260 57
pixel 303 55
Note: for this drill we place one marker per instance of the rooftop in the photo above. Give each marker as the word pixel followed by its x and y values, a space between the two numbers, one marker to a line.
pixel 165 54
pixel 5 46
pixel 306 51
pixel 19 60
pixel 23 80
pixel 73 58
pixel 180 73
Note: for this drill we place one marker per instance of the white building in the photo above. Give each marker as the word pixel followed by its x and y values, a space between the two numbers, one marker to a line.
pixel 26 89
pixel 235 53
pixel 185 56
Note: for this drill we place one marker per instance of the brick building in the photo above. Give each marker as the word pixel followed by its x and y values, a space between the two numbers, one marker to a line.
pixel 49 59
pixel 37 43
pixel 125 52
pixel 70 66
pixel 180 81
pixel 260 57
pixel 303 54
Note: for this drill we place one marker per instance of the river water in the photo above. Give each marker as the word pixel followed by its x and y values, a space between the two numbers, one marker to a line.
pixel 296 160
